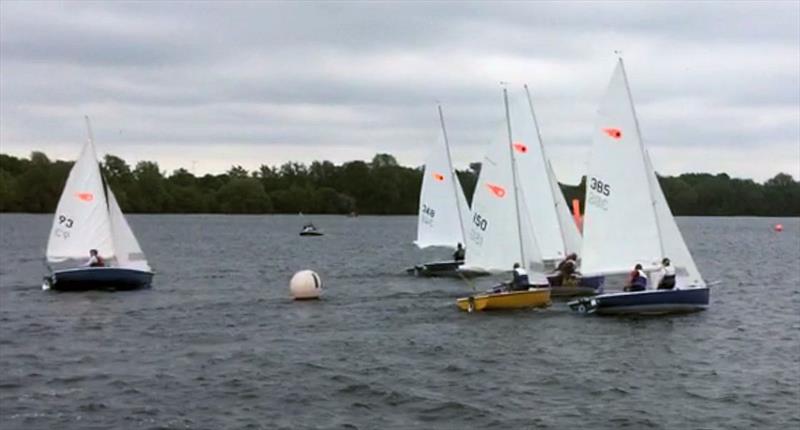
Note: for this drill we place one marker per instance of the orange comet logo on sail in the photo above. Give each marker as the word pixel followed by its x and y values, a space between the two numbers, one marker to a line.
pixel 438 176
pixel 520 147
pixel 86 197
pixel 497 190
pixel 613 132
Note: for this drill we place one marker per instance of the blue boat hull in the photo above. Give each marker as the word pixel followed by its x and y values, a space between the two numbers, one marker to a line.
pixel 98 278
pixel 650 302
pixel 586 286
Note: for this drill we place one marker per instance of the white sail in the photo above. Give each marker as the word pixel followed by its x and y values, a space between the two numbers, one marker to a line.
pixel 569 230
pixel 534 181
pixel 441 201
pixel 493 239
pixel 674 246
pixel 81 220
pixel 620 227
pixel 128 252
pixel 501 231
pixel 529 242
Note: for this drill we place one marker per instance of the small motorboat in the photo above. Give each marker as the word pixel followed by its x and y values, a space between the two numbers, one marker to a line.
pixel 310 230
pixel 576 286
pixel 89 219
pixel 500 299
pixel 649 302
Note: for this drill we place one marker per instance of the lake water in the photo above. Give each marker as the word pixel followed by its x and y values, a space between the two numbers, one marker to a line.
pixel 217 343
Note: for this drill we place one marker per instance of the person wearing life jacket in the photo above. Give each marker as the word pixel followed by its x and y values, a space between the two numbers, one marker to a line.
pixel 459 254
pixel 95 260
pixel 567 268
pixel 520 282
pixel 637 280
pixel 667 272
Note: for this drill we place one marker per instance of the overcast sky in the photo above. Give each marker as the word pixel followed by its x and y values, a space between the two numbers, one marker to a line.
pixel 208 85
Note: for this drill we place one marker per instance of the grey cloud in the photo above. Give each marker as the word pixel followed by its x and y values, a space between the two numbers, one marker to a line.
pixel 366 76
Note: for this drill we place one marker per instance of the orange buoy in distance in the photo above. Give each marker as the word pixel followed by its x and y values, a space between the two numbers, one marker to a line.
pixel 778 227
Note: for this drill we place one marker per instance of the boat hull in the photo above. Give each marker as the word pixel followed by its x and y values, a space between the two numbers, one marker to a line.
pixel 532 298
pixel 448 268
pixel 650 302
pixel 586 286
pixel 311 233
pixel 98 278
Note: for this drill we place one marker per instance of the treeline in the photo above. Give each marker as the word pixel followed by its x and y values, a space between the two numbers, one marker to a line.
pixel 381 187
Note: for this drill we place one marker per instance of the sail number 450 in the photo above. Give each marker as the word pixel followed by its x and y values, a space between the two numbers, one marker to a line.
pixel 600 186
pixel 480 222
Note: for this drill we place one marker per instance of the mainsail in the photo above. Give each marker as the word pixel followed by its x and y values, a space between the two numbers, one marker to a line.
pixel 628 220
pixel 620 228
pixel 501 231
pixel 542 195
pixel 81 220
pixel 89 217
pixel 442 205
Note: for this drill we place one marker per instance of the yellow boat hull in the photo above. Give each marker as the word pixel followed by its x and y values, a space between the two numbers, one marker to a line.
pixel 533 298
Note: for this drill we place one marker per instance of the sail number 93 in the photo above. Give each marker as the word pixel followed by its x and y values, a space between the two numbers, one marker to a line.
pixel 599 186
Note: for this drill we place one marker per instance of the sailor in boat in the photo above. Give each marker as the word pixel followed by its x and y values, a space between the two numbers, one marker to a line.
pixel 309 227
pixel 667 275
pixel 520 282
pixel 459 254
pixel 637 280
pixel 568 269
pixel 95 260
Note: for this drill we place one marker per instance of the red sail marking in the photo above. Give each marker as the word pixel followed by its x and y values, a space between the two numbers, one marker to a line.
pixel 497 190
pixel 613 132
pixel 86 197
pixel 520 147
pixel 438 176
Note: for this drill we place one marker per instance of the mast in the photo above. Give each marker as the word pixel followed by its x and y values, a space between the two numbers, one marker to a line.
pixel 453 176
pixel 523 263
pixel 644 157
pixel 549 169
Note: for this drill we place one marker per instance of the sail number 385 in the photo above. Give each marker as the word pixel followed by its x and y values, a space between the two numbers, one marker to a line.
pixel 600 186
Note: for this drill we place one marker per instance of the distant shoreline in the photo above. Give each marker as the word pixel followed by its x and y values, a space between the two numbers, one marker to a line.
pixel 378 187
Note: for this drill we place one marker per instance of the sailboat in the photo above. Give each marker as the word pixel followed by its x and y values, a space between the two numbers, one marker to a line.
pixel 501 233
pixel 88 217
pixel 442 209
pixel 628 220
pixel 556 233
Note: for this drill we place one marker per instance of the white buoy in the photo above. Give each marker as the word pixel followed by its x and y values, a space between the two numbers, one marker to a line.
pixel 305 285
